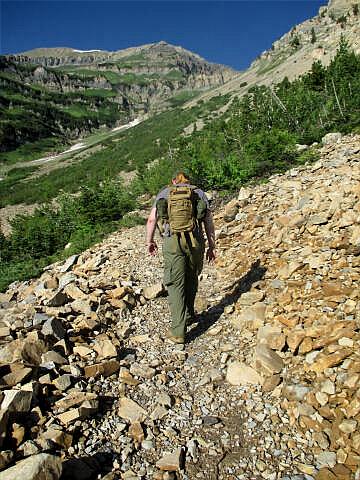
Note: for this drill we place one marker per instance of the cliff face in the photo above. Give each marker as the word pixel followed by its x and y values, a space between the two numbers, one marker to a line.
pixel 294 53
pixel 145 78
pixel 77 91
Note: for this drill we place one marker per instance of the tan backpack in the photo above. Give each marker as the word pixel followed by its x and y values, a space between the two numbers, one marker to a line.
pixel 183 210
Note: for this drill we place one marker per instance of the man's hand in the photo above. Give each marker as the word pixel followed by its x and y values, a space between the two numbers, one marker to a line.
pixel 210 254
pixel 152 249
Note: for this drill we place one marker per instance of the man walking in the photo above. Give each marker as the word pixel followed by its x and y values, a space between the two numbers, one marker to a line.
pixel 183 209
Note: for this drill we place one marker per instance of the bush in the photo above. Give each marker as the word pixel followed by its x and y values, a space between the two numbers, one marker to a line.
pixel 270 151
pixel 50 228
pixel 313 35
pixel 295 41
pixel 105 203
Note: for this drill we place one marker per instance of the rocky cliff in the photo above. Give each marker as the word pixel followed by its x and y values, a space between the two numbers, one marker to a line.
pixel 77 92
pixel 294 53
pixel 144 77
pixel 267 386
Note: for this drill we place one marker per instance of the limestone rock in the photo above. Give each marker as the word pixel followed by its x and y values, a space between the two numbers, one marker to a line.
pixel 57 300
pixel 250 317
pixel 16 401
pixel 272 336
pixel 18 374
pixel 326 459
pixel 136 432
pixel 37 467
pixel 104 348
pixel 73 399
pixel 230 210
pixel 52 357
pixel 131 411
pixel 28 350
pixel 171 462
pixel 267 361
pixel 69 262
pixel 249 298
pixel 86 409
pixel 331 138
pixel 63 382
pixel 142 370
pixel 53 328
pixel 105 369
pixel 330 360
pixel 59 437
pixel 240 374
pixel 119 292
pixel 153 291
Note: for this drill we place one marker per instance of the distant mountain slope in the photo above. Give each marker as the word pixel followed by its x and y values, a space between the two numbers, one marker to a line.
pixel 294 53
pixel 143 78
pixel 63 92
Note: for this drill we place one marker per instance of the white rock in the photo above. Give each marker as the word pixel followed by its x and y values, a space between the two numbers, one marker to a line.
pixel 240 374
pixel 37 467
pixel 331 138
pixel 328 387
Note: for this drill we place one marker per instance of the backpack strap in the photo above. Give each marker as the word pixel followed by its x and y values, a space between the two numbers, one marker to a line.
pixel 192 238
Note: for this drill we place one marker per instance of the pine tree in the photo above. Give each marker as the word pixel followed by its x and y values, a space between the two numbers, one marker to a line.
pixel 313 35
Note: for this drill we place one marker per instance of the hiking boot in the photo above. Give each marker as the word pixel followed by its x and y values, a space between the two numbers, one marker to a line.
pixel 173 338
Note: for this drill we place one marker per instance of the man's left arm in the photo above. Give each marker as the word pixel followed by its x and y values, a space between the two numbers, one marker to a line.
pixel 210 234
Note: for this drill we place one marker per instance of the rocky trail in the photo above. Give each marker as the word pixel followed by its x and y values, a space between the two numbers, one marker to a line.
pixel 267 386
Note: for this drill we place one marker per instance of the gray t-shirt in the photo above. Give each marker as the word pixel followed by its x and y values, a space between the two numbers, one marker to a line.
pixel 164 193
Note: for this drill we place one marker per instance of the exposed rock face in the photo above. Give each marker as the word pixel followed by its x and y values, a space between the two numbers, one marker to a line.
pixel 37 467
pixel 340 7
pixel 294 53
pixel 143 77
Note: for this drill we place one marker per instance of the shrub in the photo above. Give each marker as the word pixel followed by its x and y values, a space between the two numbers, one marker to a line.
pixel 270 151
pixel 342 20
pixel 313 35
pixel 295 42
pixel 105 202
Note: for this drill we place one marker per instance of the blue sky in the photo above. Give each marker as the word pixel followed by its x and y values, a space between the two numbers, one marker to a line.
pixel 228 32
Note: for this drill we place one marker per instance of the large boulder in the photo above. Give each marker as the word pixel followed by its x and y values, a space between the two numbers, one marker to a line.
pixel 331 138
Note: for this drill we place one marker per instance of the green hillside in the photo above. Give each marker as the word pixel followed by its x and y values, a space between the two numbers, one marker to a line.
pixel 50 96
pixel 44 120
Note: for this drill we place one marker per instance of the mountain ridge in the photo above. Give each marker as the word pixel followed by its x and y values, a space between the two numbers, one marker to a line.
pixel 38 55
pixel 295 51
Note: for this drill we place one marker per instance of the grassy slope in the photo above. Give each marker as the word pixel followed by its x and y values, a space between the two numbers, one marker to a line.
pixel 129 150
pixel 30 114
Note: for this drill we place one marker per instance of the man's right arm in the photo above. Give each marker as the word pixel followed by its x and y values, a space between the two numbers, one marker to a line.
pixel 150 231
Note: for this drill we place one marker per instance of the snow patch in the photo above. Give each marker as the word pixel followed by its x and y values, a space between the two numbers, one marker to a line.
pixel 85 51
pixel 134 122
pixel 77 146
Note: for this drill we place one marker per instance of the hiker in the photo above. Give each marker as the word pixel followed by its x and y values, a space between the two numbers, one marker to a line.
pixel 181 209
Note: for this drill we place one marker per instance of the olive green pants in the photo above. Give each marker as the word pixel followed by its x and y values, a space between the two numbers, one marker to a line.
pixel 183 263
